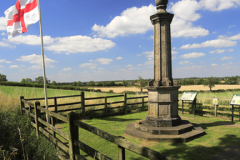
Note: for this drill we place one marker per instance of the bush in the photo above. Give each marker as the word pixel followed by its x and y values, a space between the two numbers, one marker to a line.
pixel 28 146
pixel 110 91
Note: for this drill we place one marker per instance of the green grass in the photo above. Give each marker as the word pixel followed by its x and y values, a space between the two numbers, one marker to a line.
pixel 220 134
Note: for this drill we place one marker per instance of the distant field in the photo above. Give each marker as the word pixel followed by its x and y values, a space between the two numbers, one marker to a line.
pixel 183 88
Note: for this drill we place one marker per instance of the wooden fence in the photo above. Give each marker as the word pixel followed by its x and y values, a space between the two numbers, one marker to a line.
pixel 107 110
pixel 210 109
pixel 72 137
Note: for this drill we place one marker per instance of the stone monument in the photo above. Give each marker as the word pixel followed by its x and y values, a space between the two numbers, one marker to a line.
pixel 162 121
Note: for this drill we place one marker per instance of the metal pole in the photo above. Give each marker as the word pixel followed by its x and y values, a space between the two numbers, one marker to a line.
pixel 43 62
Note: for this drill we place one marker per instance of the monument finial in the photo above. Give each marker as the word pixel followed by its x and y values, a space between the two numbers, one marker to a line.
pixel 161 4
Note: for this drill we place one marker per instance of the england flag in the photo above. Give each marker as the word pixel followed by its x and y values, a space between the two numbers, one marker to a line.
pixel 21 16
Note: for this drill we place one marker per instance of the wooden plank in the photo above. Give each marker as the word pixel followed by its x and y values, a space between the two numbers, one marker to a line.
pixel 65 104
pixel 33 124
pixel 58 116
pixel 54 140
pixel 139 149
pixel 61 133
pixel 29 103
pixel 99 104
pixel 90 151
pixel 72 109
pixel 134 103
pixel 135 97
pixel 32 99
pixel 103 97
pixel 115 102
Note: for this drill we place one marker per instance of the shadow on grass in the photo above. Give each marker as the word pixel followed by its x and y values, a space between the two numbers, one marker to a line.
pixel 219 123
pixel 183 151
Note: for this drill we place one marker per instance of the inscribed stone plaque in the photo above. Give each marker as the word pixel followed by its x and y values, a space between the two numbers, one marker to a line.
pixel 163 110
pixel 215 101
pixel 235 100
pixel 188 96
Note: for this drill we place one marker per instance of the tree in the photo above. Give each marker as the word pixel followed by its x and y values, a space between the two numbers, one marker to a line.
pixel 125 83
pixel 40 80
pixel 200 81
pixel 23 80
pixel 111 83
pixel 91 83
pixel 75 83
pixel 79 83
pixel 54 83
pixel 3 77
pixel 232 80
pixel 142 83
pixel 28 80
pixel 210 82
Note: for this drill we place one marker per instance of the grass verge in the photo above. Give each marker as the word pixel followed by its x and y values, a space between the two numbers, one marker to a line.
pixel 220 134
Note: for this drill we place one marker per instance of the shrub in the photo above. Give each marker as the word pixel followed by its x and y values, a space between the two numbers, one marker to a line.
pixel 28 146
pixel 110 91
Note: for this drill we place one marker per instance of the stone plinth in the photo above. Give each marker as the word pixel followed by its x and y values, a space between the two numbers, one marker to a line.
pixel 163 106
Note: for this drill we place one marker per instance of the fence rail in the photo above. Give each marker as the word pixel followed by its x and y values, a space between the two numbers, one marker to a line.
pixel 74 145
pixel 82 104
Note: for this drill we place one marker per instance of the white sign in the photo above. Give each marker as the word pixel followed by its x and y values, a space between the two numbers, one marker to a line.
pixel 215 101
pixel 235 100
pixel 188 96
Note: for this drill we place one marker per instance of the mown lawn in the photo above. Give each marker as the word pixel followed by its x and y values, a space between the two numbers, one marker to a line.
pixel 220 134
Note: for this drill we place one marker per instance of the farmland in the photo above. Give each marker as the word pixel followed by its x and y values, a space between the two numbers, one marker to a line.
pixel 183 88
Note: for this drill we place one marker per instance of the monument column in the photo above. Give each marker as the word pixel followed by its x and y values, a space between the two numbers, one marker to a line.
pixel 162 90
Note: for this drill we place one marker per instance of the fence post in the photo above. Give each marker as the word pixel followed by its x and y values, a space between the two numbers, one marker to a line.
pixel 121 153
pixel 37 114
pixel 106 109
pixel 83 104
pixel 232 112
pixel 125 103
pixel 142 103
pixel 56 110
pixel 215 110
pixel 182 106
pixel 22 105
pixel 73 134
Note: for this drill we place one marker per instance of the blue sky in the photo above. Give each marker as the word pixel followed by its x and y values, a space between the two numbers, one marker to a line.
pixel 92 40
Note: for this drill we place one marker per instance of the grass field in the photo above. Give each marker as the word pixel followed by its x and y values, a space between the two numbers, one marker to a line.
pixel 220 134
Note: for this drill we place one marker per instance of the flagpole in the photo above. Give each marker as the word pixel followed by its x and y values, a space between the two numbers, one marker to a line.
pixel 43 62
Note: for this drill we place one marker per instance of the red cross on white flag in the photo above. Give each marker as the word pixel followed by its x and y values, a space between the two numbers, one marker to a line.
pixel 21 16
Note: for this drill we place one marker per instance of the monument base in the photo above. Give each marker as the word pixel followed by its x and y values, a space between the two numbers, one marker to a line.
pixel 162 121
pixel 182 133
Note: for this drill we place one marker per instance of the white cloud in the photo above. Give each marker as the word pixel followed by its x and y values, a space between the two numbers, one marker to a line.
pixel 186 10
pixel 4 44
pixel 133 68
pixel 3 23
pixel 174 52
pixel 103 60
pixel 37 59
pixel 92 67
pixel 3 34
pixel 1 66
pixel 184 62
pixel 212 43
pixel 67 69
pixel 14 66
pixel 30 40
pixel 3 60
pixel 75 44
pixel 131 21
pixel 213 64
pixel 217 51
pixel 226 58
pixel 218 5
pixel 236 37
pixel 119 58
pixel 230 50
pixel 87 64
pixel 129 65
pixel 231 26
pixel 148 63
pixel 192 55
